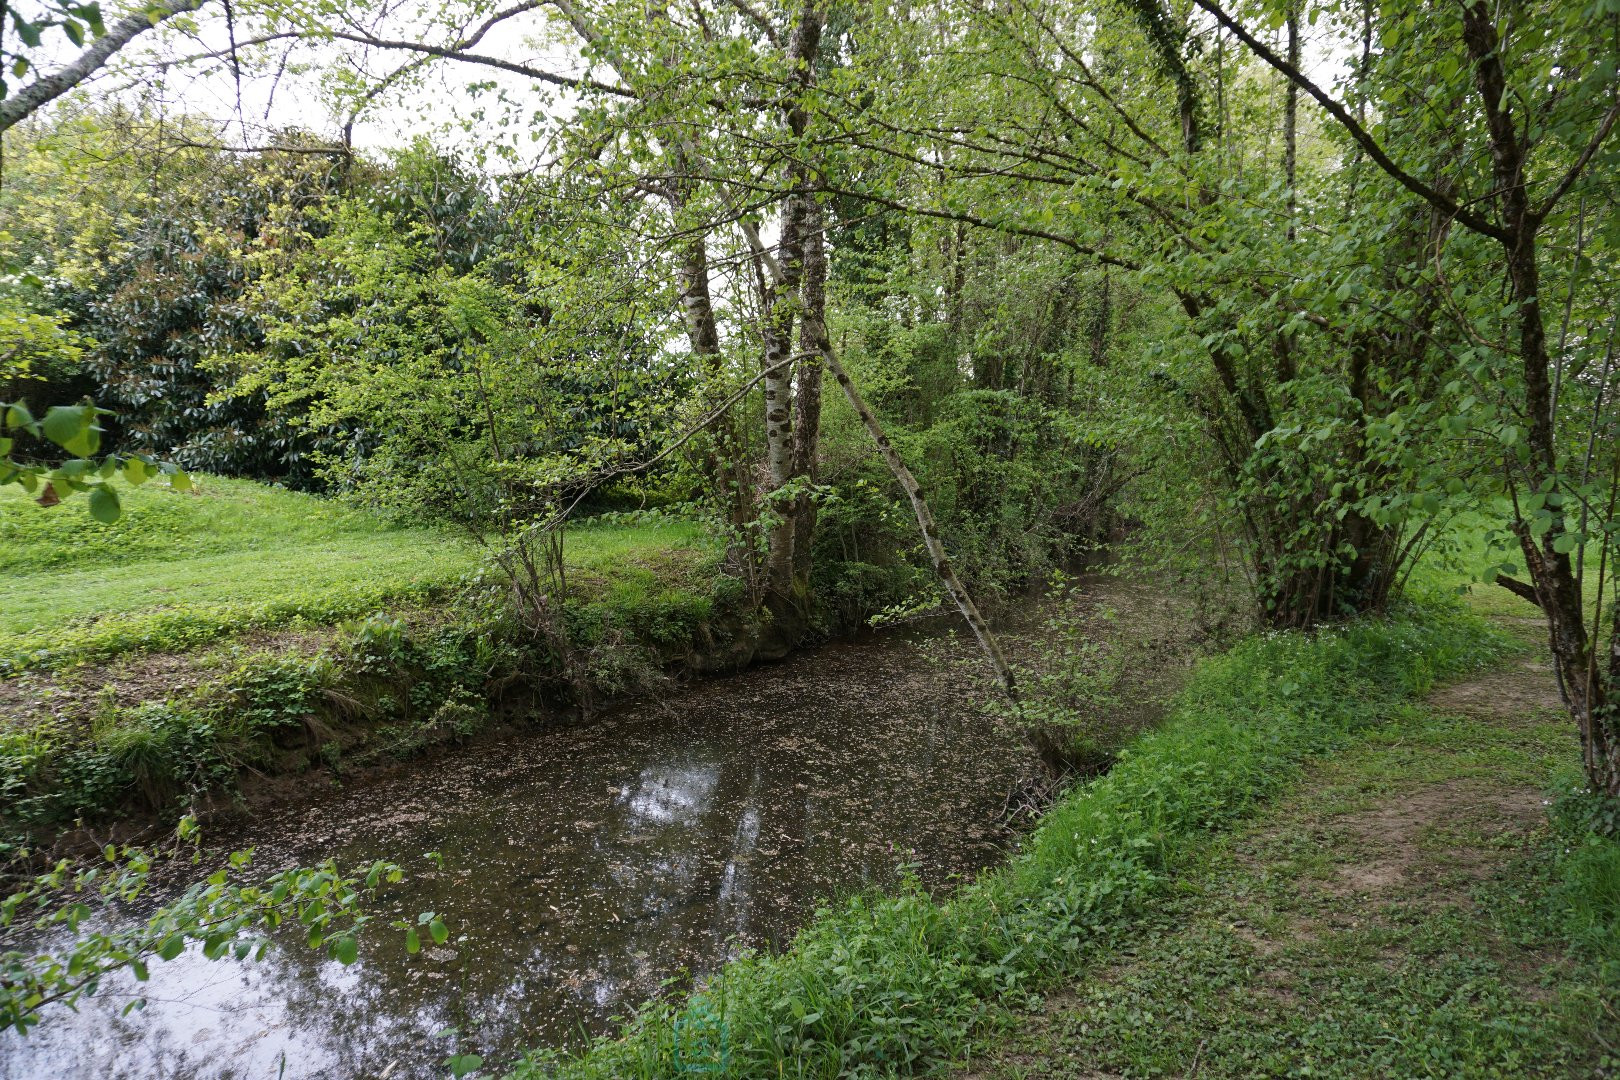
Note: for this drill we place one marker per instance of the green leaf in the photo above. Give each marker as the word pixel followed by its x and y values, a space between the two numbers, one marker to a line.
pixel 347 950
pixel 172 947
pixel 462 1064
pixel 440 932
pixel 72 427
pixel 104 504
pixel 413 941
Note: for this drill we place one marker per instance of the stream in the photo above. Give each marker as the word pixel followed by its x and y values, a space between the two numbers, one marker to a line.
pixel 583 869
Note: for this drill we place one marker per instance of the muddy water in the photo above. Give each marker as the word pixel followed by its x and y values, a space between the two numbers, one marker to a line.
pixel 581 869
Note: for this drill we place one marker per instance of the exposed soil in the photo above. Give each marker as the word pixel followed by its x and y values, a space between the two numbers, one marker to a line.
pixel 1510 695
pixel 71 697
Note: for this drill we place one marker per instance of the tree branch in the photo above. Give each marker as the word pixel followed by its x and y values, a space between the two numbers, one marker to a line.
pixel 1605 126
pixel 1437 199
pixel 43 91
pixel 1518 588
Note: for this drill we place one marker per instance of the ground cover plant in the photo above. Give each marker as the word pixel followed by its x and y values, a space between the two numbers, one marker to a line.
pixel 1410 908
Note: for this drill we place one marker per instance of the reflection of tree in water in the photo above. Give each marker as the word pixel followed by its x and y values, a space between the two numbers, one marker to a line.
pixel 583 867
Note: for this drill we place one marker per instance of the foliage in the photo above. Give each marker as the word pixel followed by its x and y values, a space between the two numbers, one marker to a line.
pixel 76 22
pixel 172 299
pixel 221 915
pixel 475 381
pixel 76 430
pixel 1588 888
pixel 149 264
pixel 1072 681
pixel 34 346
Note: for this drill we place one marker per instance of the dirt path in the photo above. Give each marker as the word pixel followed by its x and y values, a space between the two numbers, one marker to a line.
pixel 1384 920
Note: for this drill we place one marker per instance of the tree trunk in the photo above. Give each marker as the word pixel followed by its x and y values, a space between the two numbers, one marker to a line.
pixel 724 457
pixel 780 301
pixel 783 303
pixel 807 394
pixel 1585 686
pixel 1046 743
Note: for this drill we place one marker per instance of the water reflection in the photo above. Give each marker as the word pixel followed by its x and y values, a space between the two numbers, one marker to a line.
pixel 581 869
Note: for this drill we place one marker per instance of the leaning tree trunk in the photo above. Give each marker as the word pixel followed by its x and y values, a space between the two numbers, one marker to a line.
pixel 1046 742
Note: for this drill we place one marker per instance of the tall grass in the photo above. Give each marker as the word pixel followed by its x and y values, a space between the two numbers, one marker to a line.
pixel 879 985
pixel 1587 894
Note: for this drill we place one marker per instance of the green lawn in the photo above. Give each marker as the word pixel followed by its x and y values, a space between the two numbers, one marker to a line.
pixel 180 569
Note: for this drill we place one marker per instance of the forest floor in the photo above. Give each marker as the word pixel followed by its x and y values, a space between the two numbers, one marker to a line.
pixel 1388 918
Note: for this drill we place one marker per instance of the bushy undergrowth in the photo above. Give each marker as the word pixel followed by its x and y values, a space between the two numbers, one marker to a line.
pixel 1588 891
pixel 262 710
pixel 883 984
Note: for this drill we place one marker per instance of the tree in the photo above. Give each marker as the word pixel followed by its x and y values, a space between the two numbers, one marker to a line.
pixel 1542 102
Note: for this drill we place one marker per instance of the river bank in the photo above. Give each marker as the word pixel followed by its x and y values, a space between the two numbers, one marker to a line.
pixel 247 644
pixel 588 868
pixel 1410 908
pixel 581 868
pixel 905 982
pixel 242 646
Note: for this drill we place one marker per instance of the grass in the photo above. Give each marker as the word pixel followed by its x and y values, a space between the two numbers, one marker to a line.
pixel 179 570
pixel 1404 912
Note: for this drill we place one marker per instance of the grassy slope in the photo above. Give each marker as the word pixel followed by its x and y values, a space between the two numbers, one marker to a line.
pixel 1398 914
pixel 181 569
pixel 135 685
